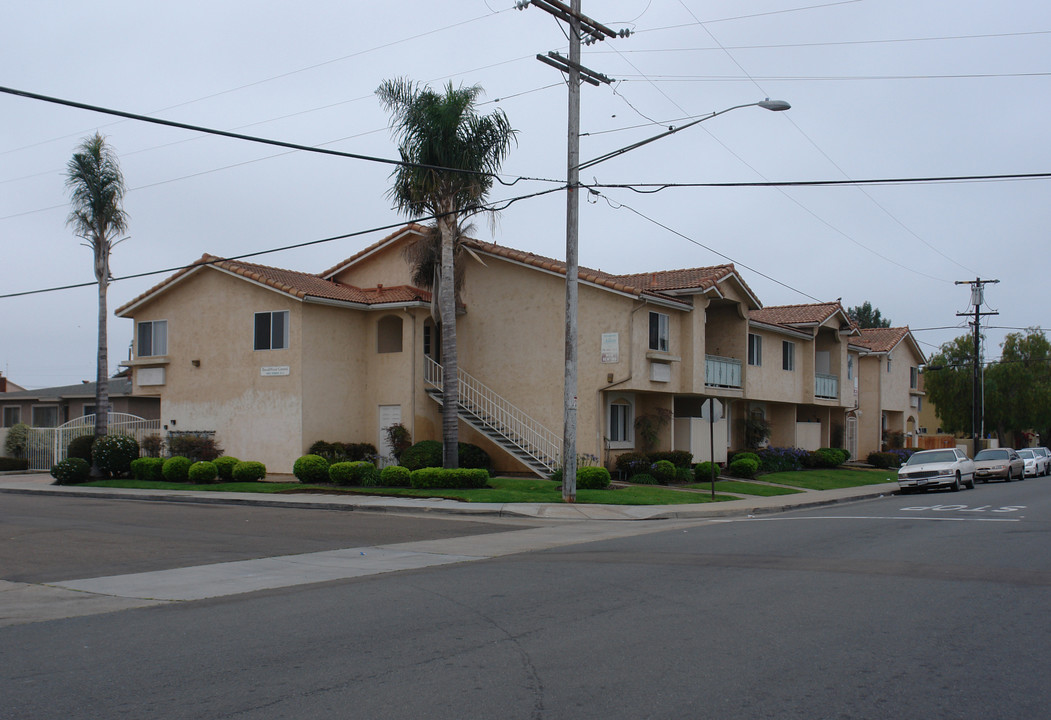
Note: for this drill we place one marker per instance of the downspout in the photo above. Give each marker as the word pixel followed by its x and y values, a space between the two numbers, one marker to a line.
pixel 412 375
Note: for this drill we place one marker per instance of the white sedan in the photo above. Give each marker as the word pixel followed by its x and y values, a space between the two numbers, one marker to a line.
pixel 949 468
pixel 1036 463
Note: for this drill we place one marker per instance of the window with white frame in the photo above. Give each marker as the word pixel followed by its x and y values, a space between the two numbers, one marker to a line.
pixel 621 428
pixel 788 355
pixel 659 331
pixel 152 338
pixel 271 330
pixel 45 416
pixel 755 349
pixel 12 415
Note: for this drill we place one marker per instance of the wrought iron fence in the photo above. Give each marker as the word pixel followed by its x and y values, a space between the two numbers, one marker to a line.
pixel 47 446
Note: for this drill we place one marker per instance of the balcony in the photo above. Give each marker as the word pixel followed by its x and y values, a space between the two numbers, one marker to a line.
pixel 826 386
pixel 722 372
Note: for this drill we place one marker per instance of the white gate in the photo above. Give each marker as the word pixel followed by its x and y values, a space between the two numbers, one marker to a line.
pixel 852 437
pixel 46 446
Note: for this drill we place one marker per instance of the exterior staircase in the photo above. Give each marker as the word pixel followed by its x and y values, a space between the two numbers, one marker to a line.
pixel 521 436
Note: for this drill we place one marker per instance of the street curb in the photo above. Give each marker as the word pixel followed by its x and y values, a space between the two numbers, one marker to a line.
pixel 509 510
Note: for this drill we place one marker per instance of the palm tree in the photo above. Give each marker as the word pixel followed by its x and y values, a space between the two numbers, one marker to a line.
pixel 96 192
pixel 451 154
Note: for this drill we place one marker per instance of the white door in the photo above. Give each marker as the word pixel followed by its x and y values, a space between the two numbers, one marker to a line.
pixel 389 415
pixel 852 437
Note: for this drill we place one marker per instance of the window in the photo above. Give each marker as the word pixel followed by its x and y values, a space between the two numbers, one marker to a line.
pixel 45 416
pixel 12 415
pixel 888 363
pixel 89 410
pixel 659 331
pixel 388 334
pixel 914 377
pixel 432 341
pixel 621 422
pixel 850 368
pixel 271 330
pixel 755 350
pixel 153 338
pixel 788 355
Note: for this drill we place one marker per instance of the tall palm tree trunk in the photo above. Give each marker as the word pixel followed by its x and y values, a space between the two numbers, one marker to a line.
pixel 102 363
pixel 450 371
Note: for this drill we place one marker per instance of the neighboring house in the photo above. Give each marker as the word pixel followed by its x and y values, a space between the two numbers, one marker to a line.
pixel 890 396
pixel 274 360
pixel 8 386
pixel 54 406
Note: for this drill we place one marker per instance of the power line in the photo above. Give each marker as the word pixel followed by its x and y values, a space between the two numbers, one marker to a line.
pixel 933 179
pixel 818 78
pixel 495 206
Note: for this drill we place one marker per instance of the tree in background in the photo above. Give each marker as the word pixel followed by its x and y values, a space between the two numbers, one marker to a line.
pixel 867 316
pixel 451 154
pixel 96 194
pixel 1017 394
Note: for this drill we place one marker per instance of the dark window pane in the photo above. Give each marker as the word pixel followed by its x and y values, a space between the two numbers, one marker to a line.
pixel 262 331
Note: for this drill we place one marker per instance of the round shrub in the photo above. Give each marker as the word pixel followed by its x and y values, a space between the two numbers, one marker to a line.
pixel 80 447
pixel 593 478
pixel 828 457
pixel 112 454
pixel 176 469
pixel 744 467
pixel 249 470
pixel 424 454
pixel 202 472
pixel 703 471
pixel 644 479
pixel 473 457
pixel 358 473
pixel 311 469
pixel 71 471
pixel 744 455
pixel 147 468
pixel 395 476
pixel 663 471
pixel 224 464
pixel 16 444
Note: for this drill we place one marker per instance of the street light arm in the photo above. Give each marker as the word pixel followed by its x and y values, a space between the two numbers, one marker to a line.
pixel 773 105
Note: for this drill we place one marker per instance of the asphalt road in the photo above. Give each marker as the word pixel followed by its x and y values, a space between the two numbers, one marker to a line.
pixel 925 606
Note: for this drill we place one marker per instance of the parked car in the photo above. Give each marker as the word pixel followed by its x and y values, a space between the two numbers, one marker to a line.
pixel 936 468
pixel 998 463
pixel 1046 455
pixel 1035 463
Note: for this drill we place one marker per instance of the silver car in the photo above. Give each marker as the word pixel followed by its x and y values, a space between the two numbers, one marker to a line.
pixel 1035 463
pixel 998 463
pixel 949 468
pixel 1046 454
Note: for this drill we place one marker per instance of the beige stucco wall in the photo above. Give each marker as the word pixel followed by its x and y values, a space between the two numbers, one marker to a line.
pixel 770 381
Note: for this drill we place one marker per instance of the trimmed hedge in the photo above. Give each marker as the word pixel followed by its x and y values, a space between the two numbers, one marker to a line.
pixel 203 472
pixel 678 458
pixel 147 468
pixel 249 470
pixel 453 478
pixel 395 476
pixel 644 479
pixel 7 463
pixel 884 460
pixel 80 447
pixel 593 478
pixel 336 452
pixel 71 471
pixel 224 464
pixel 744 467
pixel 359 473
pixel 177 469
pixel 194 447
pixel 703 471
pixel 112 454
pixel 428 453
pixel 311 469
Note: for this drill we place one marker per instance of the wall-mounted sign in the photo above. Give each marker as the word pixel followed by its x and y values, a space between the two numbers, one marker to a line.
pixel 610 347
pixel 274 370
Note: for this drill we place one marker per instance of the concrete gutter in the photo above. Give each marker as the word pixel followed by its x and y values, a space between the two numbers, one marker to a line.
pixel 40 484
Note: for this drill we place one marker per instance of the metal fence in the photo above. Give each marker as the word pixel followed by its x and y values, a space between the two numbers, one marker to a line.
pixel 47 446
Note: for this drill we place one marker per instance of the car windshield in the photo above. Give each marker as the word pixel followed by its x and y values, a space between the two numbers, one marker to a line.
pixel 932 456
pixel 1027 454
pixel 991 455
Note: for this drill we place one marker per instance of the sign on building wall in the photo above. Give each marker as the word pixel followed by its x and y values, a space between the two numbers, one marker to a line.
pixel 610 347
pixel 274 370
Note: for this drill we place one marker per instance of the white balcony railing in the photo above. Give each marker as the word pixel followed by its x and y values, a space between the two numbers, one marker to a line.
pixel 826 386
pixel 722 372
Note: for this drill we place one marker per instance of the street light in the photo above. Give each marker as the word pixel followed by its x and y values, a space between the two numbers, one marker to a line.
pixel 768 104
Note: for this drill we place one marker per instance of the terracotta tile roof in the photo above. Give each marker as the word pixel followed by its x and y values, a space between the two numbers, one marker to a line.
pixel 881 340
pixel 811 314
pixel 410 227
pixel 298 284
pixel 686 279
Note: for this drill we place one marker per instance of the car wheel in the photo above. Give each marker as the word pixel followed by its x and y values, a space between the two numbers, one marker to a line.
pixel 970 483
pixel 1008 479
pixel 955 487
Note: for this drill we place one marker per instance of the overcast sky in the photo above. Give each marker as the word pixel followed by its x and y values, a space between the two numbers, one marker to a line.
pixel 879 89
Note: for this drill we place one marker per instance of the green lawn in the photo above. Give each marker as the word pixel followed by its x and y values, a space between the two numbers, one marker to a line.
pixel 743 487
pixel 830 479
pixel 500 490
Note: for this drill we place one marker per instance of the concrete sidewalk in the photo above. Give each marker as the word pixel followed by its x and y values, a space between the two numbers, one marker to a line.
pixel 41 483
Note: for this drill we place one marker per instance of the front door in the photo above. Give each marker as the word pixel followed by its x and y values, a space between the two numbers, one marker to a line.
pixel 389 415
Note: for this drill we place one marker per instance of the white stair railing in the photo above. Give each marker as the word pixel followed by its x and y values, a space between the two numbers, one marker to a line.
pixel 496 413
